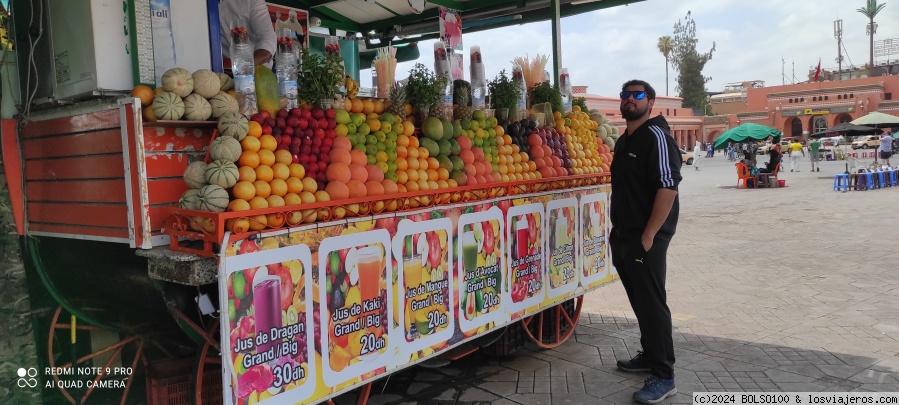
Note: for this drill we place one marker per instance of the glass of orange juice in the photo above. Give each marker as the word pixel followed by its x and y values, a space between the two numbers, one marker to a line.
pixel 412 279
pixel 370 267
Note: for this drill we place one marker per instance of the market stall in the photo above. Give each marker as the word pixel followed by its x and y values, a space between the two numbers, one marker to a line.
pixel 306 244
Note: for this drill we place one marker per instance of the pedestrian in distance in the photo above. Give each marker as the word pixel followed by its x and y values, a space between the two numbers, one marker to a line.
pixel 795 150
pixel 886 148
pixel 697 152
pixel 644 211
pixel 814 154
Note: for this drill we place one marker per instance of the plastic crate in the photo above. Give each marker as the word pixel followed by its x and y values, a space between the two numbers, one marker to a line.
pixel 171 383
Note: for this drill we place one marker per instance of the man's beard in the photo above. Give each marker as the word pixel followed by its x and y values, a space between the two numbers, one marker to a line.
pixel 635 114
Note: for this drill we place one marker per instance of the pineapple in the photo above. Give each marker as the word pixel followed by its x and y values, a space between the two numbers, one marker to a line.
pixel 397 98
pixel 437 110
pixel 463 111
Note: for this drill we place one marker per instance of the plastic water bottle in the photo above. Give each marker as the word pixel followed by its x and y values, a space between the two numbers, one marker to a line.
pixel 478 79
pixel 163 40
pixel 286 63
pixel 448 96
pixel 243 68
pixel 442 69
pixel 518 78
pixel 565 88
pixel 374 80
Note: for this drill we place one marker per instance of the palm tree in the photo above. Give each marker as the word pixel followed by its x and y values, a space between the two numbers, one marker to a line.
pixel 665 45
pixel 870 11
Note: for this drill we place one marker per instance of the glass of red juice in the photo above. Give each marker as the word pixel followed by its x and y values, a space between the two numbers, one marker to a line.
pixel 521 241
pixel 267 308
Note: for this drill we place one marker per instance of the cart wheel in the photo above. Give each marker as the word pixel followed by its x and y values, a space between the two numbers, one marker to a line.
pixel 553 326
pixel 59 347
pixel 207 378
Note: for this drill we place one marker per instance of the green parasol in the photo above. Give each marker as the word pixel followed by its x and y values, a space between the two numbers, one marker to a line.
pixel 747 132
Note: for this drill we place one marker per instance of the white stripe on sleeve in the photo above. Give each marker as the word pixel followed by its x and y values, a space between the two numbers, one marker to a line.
pixel 664 165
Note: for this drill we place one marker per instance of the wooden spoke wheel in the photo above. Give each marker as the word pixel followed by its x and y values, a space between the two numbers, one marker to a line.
pixel 62 347
pixel 553 326
pixel 207 377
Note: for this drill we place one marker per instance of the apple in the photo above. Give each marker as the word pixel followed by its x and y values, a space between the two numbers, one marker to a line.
pixel 307 114
pixel 295 158
pixel 292 121
pixel 276 131
pixel 330 133
pixel 304 159
pixel 319 133
pixel 295 151
pixel 283 113
pixel 270 122
pixel 288 131
pixel 280 122
pixel 316 142
pixel 318 113
pixel 306 150
pixel 322 166
pixel 266 130
pixel 302 123
pixel 326 158
pixel 313 159
pixel 330 113
pixel 296 112
pixel 315 150
pixel 265 114
pixel 282 146
pixel 313 124
pixel 296 141
pixel 322 123
pixel 332 123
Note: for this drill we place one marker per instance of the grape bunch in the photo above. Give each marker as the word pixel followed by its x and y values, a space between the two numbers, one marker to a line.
pixel 317 327
pixel 300 338
pixel 383 312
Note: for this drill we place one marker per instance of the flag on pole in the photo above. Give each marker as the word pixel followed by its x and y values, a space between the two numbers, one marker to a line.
pixel 818 70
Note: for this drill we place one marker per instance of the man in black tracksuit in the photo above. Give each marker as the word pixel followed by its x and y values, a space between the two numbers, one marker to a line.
pixel 643 211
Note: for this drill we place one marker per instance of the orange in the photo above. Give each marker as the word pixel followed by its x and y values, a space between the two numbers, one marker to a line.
pixel 401 164
pixel 337 190
pixel 244 190
pixel 433 163
pixel 379 107
pixel 306 197
pixel 254 130
pixel 376 172
pixel 368 107
pixel 358 172
pixel 401 177
pixel 358 157
pixel 432 185
pixel 275 201
pixel 283 156
pixel 342 142
pixel 423 184
pixel 279 187
pixel 442 184
pixel 402 140
pixel 374 124
pixel 338 172
pixel 263 189
pixel 356 188
pixel 432 175
pixel 309 185
pixel 281 171
pixel 412 152
pixel 413 175
pixel 268 142
pixel 264 173
pixel 413 142
pixel 408 128
pixel 374 188
pixel 294 185
pixel 266 157
pixel 423 152
pixel 452 183
pixel 238 205
pixel 246 173
pixel 357 106
pixel 412 186
pixel 249 159
pixel 292 199
pixel 390 186
pixel 258 203
pixel 414 164
pixel 341 156
pixel 442 173
pixel 422 164
pixel 149 115
pixel 145 94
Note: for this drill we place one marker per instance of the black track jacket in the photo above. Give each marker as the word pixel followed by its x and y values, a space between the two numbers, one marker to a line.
pixel 645 161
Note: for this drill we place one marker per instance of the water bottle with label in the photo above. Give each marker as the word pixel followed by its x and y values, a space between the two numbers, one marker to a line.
pixel 478 79
pixel 243 68
pixel 286 63
pixel 163 40
pixel 518 79
pixel 565 88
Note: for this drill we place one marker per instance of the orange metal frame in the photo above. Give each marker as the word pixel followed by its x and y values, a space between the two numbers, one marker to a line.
pixel 178 225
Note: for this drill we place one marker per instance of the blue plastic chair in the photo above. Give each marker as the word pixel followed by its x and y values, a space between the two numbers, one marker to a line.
pixel 841 182
pixel 869 180
pixel 882 178
pixel 894 178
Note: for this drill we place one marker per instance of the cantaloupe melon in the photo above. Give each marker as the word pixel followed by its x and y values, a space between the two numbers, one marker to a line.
pixel 213 198
pixel 227 83
pixel 206 83
pixel 225 148
pixel 195 174
pixel 222 103
pixel 190 200
pixel 168 106
pixel 196 108
pixel 222 173
pixel 234 125
pixel 179 81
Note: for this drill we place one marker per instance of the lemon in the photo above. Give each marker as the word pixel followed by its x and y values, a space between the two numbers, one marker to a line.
pixel 363 226
pixel 296 269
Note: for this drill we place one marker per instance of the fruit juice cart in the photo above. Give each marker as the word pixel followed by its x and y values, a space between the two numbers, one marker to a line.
pixel 327 297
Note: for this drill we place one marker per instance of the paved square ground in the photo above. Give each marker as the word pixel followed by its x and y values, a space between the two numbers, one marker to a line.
pixel 786 289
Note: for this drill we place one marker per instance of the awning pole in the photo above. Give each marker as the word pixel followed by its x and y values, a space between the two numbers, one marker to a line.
pixel 557 39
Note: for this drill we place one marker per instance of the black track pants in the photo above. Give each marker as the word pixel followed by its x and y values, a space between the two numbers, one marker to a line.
pixel 643 276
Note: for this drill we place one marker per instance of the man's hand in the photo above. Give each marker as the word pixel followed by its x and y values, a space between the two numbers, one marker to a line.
pixel 647 239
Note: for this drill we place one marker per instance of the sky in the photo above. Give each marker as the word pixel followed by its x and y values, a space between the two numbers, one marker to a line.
pixel 603 49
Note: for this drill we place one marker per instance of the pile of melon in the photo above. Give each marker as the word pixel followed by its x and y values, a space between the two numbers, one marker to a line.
pixel 197 96
pixel 209 182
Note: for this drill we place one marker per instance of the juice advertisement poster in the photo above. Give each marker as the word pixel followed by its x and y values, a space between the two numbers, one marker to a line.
pixel 562 247
pixel 270 346
pixel 423 253
pixel 524 253
pixel 480 269
pixel 595 260
pixel 354 311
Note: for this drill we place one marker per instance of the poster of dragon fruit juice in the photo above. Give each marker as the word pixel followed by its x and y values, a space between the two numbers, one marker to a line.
pixel 594 229
pixel 269 347
pixel 524 254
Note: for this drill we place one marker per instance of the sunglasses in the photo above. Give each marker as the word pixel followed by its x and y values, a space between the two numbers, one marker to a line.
pixel 638 95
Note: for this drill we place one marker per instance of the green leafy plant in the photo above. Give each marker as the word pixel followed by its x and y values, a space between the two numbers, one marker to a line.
pixel 503 91
pixel 580 102
pixel 320 77
pixel 544 93
pixel 424 87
